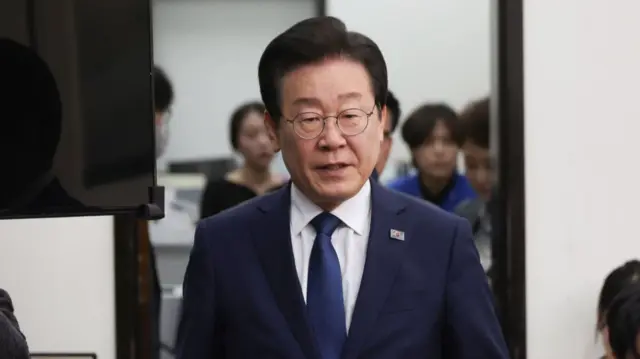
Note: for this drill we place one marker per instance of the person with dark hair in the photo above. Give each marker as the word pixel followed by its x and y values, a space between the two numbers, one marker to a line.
pixel 284 275
pixel 177 222
pixel 623 324
pixel 162 100
pixel 620 278
pixel 248 136
pixel 31 129
pixel 474 121
pixel 393 117
pixel 13 344
pixel 432 133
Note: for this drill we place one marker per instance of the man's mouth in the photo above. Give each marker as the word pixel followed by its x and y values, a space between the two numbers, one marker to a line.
pixel 332 166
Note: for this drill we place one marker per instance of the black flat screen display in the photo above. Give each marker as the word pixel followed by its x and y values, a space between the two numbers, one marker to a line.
pixel 76 110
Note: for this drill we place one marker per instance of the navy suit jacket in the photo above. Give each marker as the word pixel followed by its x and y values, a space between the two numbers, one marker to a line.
pixel 425 296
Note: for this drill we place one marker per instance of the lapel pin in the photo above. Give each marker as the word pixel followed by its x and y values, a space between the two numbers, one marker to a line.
pixel 396 234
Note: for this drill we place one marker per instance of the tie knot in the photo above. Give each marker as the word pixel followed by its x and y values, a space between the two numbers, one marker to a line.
pixel 325 223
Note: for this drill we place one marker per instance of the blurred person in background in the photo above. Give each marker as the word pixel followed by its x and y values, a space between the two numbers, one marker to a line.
pixel 177 223
pixel 615 283
pixel 474 121
pixel 12 342
pixel 433 134
pixel 163 100
pixel 249 138
pixel 393 117
pixel 623 324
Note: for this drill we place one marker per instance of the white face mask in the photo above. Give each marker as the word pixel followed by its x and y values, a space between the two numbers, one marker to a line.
pixel 162 139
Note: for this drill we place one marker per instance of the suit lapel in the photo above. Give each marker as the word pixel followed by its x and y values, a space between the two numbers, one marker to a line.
pixel 384 256
pixel 272 238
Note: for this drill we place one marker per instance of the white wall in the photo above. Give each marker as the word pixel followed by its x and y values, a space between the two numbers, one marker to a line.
pixel 436 50
pixel 60 275
pixel 211 49
pixel 582 125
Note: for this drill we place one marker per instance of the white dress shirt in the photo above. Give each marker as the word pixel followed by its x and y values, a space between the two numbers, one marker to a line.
pixel 349 240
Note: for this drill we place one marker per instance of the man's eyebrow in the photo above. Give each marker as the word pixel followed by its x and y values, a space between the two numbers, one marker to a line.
pixel 307 101
pixel 316 101
pixel 350 96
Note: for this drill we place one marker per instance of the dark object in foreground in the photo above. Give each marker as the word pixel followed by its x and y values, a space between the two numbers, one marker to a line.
pixel 12 342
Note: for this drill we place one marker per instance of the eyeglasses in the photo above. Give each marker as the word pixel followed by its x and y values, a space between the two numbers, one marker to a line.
pixel 350 122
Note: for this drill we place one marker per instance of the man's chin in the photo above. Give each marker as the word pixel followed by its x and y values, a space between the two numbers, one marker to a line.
pixel 337 190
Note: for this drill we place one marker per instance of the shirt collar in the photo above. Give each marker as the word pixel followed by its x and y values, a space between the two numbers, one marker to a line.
pixel 354 212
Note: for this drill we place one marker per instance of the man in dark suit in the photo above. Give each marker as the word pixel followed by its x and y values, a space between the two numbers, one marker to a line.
pixel 12 343
pixel 333 265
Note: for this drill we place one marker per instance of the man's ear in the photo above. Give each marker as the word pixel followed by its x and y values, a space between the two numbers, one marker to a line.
pixel 384 117
pixel 272 131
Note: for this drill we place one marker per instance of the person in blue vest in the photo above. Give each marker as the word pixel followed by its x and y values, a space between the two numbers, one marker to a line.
pixel 432 133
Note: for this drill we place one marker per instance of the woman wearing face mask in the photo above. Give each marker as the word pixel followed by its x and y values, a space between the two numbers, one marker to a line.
pixel 250 139
pixel 617 281
pixel 175 224
pixel 163 99
pixel 432 134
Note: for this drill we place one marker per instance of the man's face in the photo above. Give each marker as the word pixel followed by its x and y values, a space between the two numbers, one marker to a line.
pixel 328 88
pixel 387 142
pixel 478 168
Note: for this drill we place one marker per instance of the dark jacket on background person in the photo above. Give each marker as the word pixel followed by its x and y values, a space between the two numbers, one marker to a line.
pixel 13 344
pixel 476 212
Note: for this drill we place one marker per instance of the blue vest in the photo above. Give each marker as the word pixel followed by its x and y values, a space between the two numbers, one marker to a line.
pixel 460 192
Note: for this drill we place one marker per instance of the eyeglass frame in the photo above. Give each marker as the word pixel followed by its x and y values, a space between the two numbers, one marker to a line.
pixel 368 115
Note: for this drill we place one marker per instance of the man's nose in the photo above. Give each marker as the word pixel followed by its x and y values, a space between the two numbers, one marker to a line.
pixel 332 136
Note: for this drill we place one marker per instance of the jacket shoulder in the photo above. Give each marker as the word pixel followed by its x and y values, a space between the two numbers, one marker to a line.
pixel 402 182
pixel 423 210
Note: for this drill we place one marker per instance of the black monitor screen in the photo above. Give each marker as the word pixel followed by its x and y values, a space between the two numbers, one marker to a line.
pixel 76 134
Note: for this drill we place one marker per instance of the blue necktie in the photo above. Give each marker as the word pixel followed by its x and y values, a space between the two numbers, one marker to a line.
pixel 325 304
